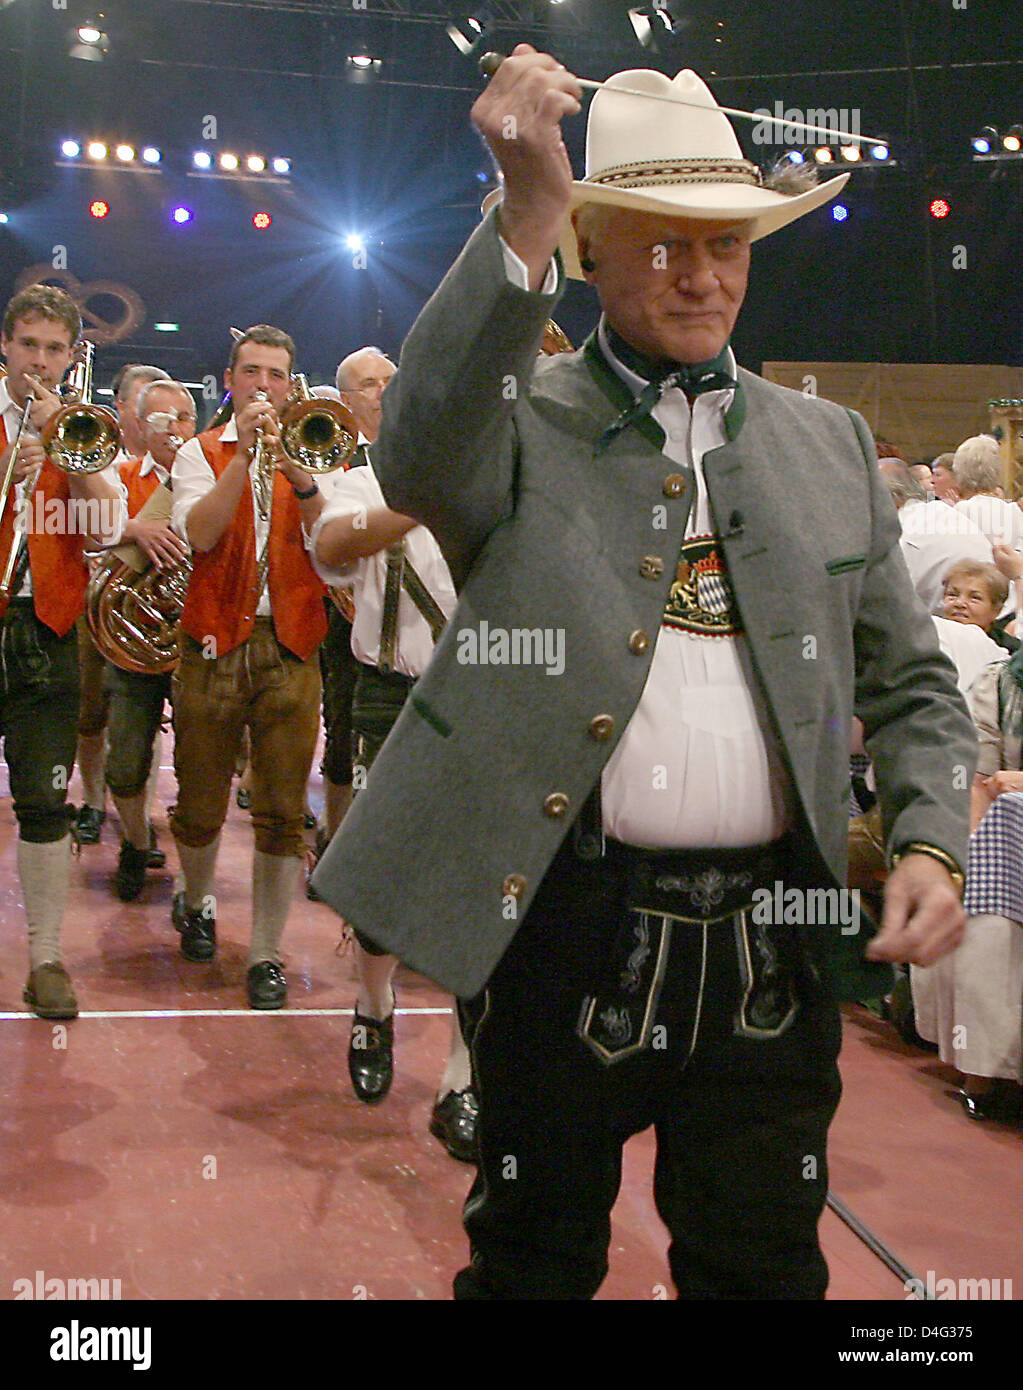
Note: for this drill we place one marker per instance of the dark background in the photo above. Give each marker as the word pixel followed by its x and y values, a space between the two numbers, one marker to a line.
pixel 395 159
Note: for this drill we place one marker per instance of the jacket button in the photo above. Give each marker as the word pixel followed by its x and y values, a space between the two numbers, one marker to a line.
pixel 555 805
pixel 514 886
pixel 602 726
pixel 674 485
pixel 638 642
pixel 651 567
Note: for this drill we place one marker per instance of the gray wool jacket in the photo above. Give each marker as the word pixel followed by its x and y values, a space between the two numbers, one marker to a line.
pixel 489 764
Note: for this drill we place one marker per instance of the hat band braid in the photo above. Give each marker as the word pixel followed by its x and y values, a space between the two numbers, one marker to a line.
pixel 689 171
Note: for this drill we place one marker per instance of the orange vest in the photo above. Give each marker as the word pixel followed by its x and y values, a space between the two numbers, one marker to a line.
pixel 222 596
pixel 139 489
pixel 59 572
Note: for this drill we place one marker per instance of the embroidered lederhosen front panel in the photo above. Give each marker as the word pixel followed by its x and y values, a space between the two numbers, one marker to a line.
pixel 769 1000
pixel 701 599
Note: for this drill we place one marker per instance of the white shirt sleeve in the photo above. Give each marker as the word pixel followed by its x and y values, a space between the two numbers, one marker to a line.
pixel 518 272
pixel 192 478
pixel 354 492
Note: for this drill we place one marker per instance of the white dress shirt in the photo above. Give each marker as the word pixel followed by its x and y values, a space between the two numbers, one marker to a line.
pixel 355 492
pixel 11 414
pixel 969 649
pixel 933 539
pixel 193 478
pixel 998 519
pixel 150 465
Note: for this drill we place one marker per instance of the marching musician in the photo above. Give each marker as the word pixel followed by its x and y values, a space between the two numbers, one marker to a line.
pixel 251 626
pixel 166 413
pixel 361 378
pixel 403 596
pixel 39 686
pixel 93 711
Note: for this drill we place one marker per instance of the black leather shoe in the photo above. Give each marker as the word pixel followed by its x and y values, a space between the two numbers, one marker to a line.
pixel 130 878
pixel 155 858
pixel 983 1106
pixel 87 824
pixel 453 1122
pixel 198 932
pixel 266 985
pixel 371 1056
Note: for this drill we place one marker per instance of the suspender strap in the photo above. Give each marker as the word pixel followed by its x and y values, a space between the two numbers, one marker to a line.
pixel 392 591
pixel 424 600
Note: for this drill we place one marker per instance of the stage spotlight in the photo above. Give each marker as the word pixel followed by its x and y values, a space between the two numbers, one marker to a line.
pixel 1012 140
pixel 360 60
pixel 281 165
pixel 985 141
pixel 469 33
pixel 99 208
pixel 261 220
pixel 202 159
pixel 151 155
pixel 851 153
pixel 4 219
pixel 96 150
pixel 940 207
pixel 839 212
pixel 89 42
pixel 823 155
pixel 70 149
pixel 166 327
pixel 181 214
pixel 229 162
pixel 354 242
pixel 795 157
pixel 880 153
pixel 125 153
pixel 255 164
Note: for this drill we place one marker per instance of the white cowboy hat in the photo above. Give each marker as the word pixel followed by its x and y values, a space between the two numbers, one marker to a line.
pixel 685 162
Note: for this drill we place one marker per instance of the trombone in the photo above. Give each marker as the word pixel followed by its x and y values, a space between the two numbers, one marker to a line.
pixel 316 434
pixel 79 438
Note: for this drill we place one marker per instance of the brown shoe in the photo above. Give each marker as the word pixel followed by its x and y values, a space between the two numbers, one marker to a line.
pixel 49 992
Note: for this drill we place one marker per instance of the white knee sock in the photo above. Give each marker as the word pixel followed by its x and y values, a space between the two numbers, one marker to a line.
pixel 196 877
pixel 274 877
pixel 154 776
pixel 45 872
pixel 456 1073
pixel 92 761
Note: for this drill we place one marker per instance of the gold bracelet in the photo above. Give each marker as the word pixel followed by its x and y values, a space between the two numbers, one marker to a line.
pixel 932 851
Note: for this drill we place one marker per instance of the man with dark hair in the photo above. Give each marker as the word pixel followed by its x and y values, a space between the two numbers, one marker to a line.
pixel 608 813
pixel 251 626
pixel 39 667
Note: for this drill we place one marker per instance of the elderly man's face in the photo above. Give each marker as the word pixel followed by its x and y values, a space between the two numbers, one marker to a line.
pixel 671 286
pixel 366 375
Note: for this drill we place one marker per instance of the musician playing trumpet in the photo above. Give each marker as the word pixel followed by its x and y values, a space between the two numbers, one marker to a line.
pixel 166 414
pixel 44 596
pixel 252 623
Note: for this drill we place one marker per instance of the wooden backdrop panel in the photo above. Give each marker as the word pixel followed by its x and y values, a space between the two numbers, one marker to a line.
pixel 925 409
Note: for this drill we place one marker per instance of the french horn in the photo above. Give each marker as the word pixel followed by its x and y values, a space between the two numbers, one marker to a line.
pixel 132 608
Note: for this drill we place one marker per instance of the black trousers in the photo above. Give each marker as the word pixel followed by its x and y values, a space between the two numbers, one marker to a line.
pixel 377 700
pixel 338 670
pixel 38 720
pixel 741 1120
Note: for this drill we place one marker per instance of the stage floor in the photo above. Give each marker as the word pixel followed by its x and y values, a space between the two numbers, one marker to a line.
pixel 175 1140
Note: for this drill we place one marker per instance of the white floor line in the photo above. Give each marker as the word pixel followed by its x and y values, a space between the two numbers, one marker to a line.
pixel 214 1013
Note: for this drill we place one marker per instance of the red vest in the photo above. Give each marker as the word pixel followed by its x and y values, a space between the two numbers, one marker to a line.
pixel 59 573
pixel 222 594
pixel 139 489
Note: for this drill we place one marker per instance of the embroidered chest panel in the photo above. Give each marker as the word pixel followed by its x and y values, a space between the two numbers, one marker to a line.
pixel 701 598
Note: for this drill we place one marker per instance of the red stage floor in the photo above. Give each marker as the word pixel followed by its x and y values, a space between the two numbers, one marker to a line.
pixel 191 1148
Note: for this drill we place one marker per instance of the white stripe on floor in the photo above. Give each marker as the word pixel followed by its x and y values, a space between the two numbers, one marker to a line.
pixel 213 1013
